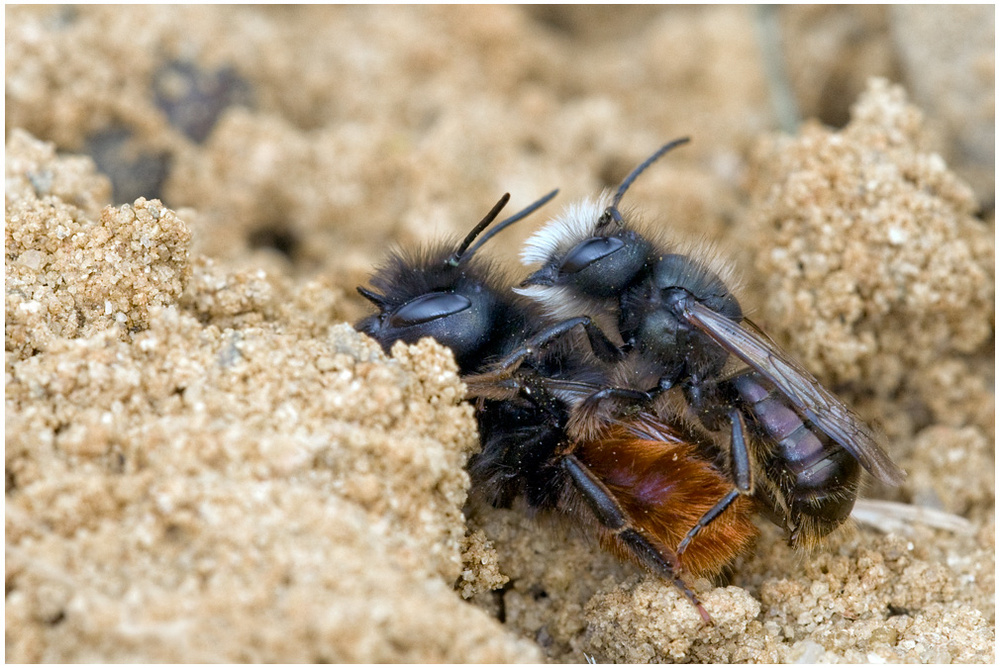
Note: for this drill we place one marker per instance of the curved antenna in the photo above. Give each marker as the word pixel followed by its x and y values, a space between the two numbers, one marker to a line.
pixel 612 212
pixel 456 257
pixel 523 213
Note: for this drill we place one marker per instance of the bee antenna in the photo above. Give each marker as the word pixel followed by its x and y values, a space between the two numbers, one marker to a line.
pixel 523 213
pixel 612 212
pixel 456 257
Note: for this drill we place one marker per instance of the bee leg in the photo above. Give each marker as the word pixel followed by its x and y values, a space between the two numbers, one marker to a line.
pixel 586 418
pixel 495 385
pixel 707 518
pixel 633 396
pixel 612 517
pixel 525 384
pixel 500 383
pixel 739 454
pixel 602 346
pixel 742 474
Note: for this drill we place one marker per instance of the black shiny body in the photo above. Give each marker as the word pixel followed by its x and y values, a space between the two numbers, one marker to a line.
pixel 466 305
pixel 523 436
pixel 525 375
pixel 806 482
pixel 792 445
pixel 814 481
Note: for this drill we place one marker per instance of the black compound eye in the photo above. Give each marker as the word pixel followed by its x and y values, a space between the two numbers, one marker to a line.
pixel 588 252
pixel 432 306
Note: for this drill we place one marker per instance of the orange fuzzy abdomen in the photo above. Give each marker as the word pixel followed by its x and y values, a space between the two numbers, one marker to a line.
pixel 665 487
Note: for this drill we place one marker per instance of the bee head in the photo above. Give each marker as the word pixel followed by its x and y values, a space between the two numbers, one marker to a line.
pixel 599 266
pixel 609 258
pixel 446 293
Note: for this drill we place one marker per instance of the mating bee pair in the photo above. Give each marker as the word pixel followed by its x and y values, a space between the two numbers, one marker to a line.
pixel 620 384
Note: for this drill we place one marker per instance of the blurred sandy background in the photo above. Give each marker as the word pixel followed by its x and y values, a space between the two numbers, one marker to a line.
pixel 204 463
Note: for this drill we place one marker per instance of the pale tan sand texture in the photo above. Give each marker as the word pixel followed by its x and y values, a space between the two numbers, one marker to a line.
pixel 205 462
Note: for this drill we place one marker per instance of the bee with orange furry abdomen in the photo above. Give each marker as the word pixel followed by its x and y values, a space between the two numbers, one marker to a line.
pixel 665 485
pixel 639 486
pixel 672 308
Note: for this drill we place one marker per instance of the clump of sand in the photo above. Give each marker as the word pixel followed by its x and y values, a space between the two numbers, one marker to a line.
pixel 183 491
pixel 879 277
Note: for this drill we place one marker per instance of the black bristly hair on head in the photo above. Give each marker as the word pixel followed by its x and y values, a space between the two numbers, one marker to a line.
pixel 405 275
pixel 449 292
pixel 612 214
pixel 526 394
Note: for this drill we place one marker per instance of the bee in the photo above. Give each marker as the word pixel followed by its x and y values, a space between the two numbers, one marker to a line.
pixel 792 445
pixel 638 485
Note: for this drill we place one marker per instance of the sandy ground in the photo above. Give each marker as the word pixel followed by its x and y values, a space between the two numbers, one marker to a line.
pixel 203 460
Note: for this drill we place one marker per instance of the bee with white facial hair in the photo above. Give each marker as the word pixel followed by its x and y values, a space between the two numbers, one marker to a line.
pixel 637 485
pixel 785 440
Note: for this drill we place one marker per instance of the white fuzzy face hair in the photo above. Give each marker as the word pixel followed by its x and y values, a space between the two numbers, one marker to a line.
pixel 551 246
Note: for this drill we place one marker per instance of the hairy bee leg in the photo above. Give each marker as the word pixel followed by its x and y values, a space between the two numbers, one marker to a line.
pixel 706 519
pixel 742 474
pixel 601 345
pixel 500 383
pixel 529 385
pixel 636 396
pixel 610 514
pixel 585 417
pixel 498 386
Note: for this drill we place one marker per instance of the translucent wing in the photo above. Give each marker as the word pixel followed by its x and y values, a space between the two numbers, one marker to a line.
pixel 797 385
